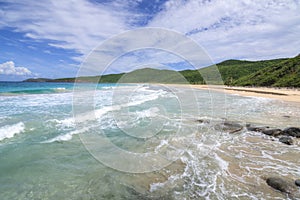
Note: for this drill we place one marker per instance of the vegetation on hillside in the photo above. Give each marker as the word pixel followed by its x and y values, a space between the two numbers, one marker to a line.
pixel 232 70
pixel 277 73
pixel 283 74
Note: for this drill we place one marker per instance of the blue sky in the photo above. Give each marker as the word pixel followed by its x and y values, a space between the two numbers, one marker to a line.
pixel 51 38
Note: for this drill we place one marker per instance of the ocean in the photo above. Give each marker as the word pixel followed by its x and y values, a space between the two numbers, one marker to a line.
pixel 140 141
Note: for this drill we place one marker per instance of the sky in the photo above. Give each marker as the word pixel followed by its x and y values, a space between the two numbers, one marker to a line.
pixel 52 38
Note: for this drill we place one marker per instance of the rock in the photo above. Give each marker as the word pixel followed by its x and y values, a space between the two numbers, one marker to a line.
pixel 282 185
pixel 297 182
pixel 203 121
pixel 272 132
pixel 286 140
pixel 229 126
pixel 292 131
pixel 232 127
pixel 256 129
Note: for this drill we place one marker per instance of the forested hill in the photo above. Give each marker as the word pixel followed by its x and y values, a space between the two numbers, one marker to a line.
pixel 283 74
pixel 277 72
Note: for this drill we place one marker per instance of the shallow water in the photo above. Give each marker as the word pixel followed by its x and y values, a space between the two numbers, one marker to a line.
pixel 44 149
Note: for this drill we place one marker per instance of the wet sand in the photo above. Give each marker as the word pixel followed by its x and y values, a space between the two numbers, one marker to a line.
pixel 284 94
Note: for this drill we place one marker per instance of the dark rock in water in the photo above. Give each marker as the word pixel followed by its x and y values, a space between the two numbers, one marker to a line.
pixel 232 127
pixel 206 121
pixel 228 126
pixel 297 182
pixel 256 129
pixel 272 132
pixel 292 131
pixel 282 185
pixel 286 140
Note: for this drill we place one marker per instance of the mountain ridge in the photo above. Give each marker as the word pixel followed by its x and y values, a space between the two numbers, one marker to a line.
pixel 282 72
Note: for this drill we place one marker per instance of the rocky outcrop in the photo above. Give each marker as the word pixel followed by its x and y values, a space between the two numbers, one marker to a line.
pixel 255 128
pixel 222 125
pixel 203 121
pixel 231 127
pixel 292 131
pixel 297 182
pixel 286 140
pixel 272 132
pixel 286 133
pixel 286 186
pixel 265 130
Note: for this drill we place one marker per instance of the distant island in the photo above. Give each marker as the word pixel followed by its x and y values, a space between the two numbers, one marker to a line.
pixel 283 72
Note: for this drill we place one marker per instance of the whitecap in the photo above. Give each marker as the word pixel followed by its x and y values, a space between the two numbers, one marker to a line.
pixel 151 112
pixel 66 137
pixel 10 131
pixel 59 89
pixel 64 123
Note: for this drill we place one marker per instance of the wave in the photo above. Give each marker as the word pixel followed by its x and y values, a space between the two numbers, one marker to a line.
pixel 10 131
pixel 35 91
pixel 61 138
pixel 59 89
pixel 68 136
pixel 64 123
pixel 133 102
pixel 70 122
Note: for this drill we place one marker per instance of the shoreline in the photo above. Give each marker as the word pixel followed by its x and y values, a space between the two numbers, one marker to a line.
pixel 284 94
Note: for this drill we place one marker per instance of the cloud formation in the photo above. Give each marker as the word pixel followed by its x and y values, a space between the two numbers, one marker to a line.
pixel 131 50
pixel 9 68
pixel 77 25
pixel 237 29
pixel 245 29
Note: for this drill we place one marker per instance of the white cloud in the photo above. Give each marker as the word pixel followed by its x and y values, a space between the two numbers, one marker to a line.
pixel 249 29
pixel 9 68
pixel 148 45
pixel 76 25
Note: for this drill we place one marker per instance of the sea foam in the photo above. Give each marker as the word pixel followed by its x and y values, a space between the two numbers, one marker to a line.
pixel 10 131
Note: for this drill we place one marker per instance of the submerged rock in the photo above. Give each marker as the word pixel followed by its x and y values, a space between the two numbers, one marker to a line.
pixel 226 126
pixel 286 140
pixel 292 131
pixel 282 185
pixel 232 127
pixel 229 126
pixel 297 182
pixel 256 129
pixel 272 132
pixel 206 121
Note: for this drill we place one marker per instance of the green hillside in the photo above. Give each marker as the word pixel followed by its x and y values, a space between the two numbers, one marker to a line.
pixel 277 72
pixel 192 76
pixel 149 75
pixel 283 74
pixel 232 70
pixel 110 78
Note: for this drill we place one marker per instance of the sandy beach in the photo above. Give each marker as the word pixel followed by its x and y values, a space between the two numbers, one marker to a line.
pixel 291 95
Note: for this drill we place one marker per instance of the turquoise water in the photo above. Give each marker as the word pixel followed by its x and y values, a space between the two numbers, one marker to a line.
pixel 33 88
pixel 50 147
